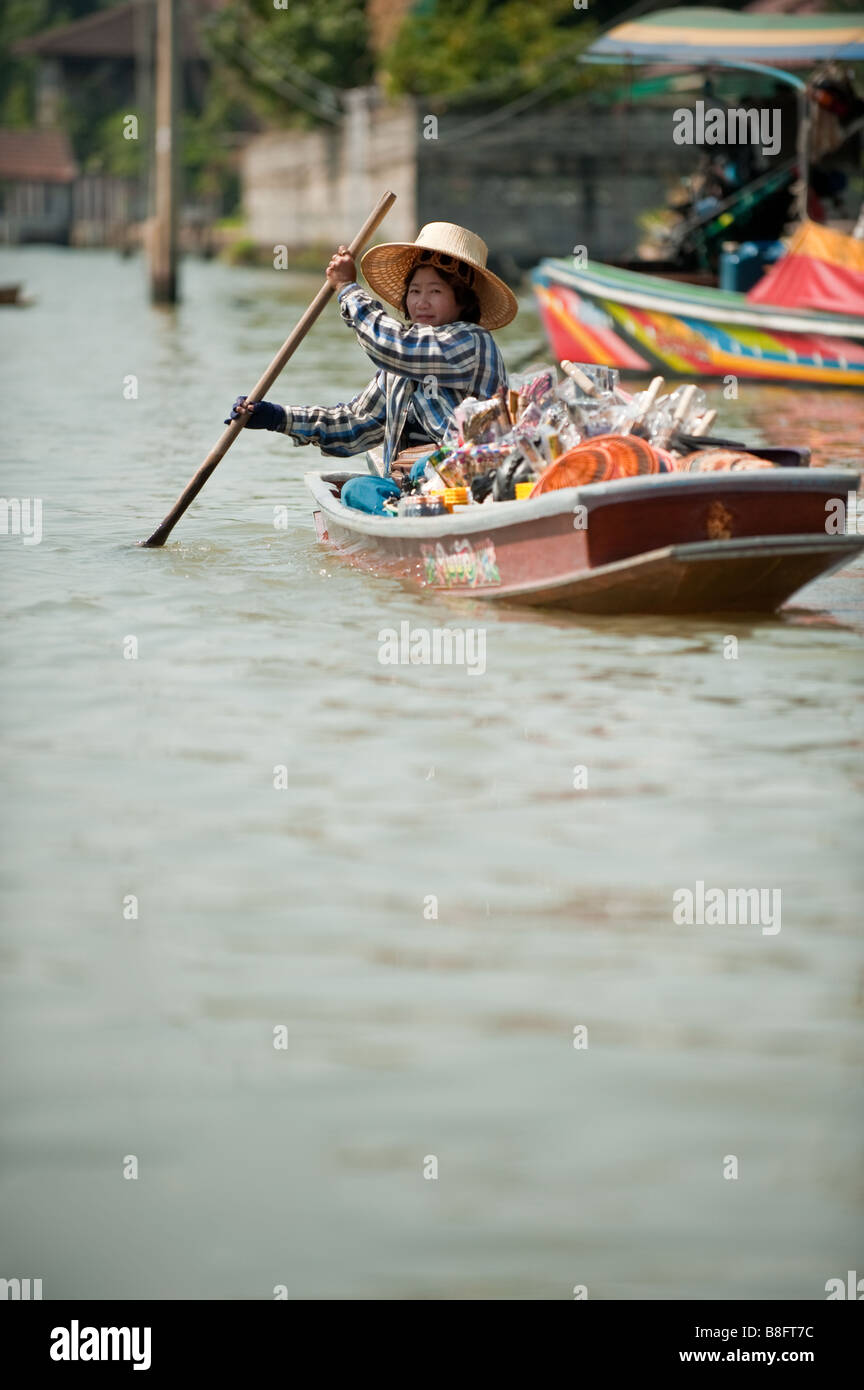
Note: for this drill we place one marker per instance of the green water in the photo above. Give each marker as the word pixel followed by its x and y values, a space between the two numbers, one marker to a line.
pixel 303 915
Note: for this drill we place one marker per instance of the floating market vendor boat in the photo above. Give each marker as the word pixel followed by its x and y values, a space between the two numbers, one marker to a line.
pixel 657 543
pixel 803 322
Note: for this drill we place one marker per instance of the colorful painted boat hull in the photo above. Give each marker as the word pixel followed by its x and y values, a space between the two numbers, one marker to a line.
pixel 668 543
pixel 642 324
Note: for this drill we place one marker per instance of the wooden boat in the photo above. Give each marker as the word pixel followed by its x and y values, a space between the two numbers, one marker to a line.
pixel 661 543
pixel 642 323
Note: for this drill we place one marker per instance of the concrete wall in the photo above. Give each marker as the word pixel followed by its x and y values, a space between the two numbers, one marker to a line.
pixel 531 183
pixel 540 183
pixel 303 188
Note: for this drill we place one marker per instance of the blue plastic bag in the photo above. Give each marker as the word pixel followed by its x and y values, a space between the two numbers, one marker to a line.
pixel 368 494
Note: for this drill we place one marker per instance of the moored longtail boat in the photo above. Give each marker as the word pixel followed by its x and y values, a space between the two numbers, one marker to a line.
pixel 641 323
pixel 659 543
pixel 804 321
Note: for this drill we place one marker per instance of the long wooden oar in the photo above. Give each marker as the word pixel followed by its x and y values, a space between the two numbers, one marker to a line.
pixel 259 391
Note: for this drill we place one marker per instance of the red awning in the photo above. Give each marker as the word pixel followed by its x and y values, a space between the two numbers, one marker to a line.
pixel 821 270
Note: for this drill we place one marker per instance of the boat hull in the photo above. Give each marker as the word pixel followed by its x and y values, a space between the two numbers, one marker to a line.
pixel 640 323
pixel 742 577
pixel 671 543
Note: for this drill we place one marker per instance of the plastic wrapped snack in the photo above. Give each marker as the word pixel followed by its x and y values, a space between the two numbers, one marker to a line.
pixel 559 419
pixel 599 412
pixel 483 456
pixel 452 471
pixel 443 469
pixel 602 415
pixel 533 385
pixel 481 422
pixel 526 442
pixel 636 413
pixel 593 380
pixel 659 424
pixel 671 414
pixel 568 392
pixel 435 480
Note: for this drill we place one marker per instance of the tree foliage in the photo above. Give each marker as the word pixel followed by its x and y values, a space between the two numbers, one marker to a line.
pixel 20 19
pixel 456 48
pixel 292 62
pixel 453 48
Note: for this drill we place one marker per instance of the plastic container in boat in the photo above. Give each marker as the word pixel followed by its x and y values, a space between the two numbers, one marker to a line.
pixel 742 265
pixel 422 504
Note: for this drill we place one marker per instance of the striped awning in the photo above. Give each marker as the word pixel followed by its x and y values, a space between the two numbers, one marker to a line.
pixel 698 36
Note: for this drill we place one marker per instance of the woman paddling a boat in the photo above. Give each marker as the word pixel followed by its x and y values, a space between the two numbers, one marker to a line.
pixel 425 368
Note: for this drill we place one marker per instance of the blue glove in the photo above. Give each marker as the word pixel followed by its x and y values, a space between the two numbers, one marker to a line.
pixel 265 415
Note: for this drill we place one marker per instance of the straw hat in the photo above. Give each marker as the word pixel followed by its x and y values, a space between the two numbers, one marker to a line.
pixel 443 246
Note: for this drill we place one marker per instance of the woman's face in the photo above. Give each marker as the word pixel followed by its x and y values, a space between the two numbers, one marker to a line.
pixel 430 300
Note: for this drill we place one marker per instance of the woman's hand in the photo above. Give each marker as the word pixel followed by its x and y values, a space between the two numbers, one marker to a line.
pixel 341 270
pixel 259 415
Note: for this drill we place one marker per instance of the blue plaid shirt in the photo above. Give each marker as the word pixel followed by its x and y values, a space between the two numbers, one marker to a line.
pixel 423 373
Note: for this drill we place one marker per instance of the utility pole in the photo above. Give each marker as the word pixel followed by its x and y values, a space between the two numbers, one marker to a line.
pixel 163 249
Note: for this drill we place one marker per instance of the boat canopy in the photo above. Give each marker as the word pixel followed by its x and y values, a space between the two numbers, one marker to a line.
pixel 703 36
pixel 822 269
